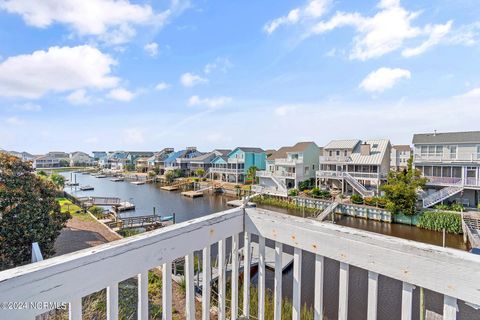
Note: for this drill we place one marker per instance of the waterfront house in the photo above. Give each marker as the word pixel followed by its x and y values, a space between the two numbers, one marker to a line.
pixel 157 161
pixel 116 160
pixel 134 155
pixel 355 166
pixel 451 162
pixel 79 158
pixel 180 159
pixel 44 162
pixel 399 157
pixel 25 156
pixel 204 161
pixel 97 155
pixel 234 166
pixel 288 166
pixel 141 164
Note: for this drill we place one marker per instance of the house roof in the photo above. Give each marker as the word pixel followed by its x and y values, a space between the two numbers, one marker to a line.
pixel 342 144
pixel 402 147
pixel 378 150
pixel 251 149
pixel 447 137
pixel 283 151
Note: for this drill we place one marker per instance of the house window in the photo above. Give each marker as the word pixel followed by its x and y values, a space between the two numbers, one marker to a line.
pixel 424 151
pixel 453 152
pixel 331 153
pixel 313 167
pixel 338 153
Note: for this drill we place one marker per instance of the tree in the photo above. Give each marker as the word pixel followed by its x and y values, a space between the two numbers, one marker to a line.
pixel 28 213
pixel 169 176
pixel 252 173
pixel 401 189
pixel 199 172
pixel 58 180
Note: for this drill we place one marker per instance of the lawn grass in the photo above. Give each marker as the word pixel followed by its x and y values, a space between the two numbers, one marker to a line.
pixel 75 211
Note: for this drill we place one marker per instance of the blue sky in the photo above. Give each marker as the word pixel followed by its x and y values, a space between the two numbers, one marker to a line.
pixel 143 75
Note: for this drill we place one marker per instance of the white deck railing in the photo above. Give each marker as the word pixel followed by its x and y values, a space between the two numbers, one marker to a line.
pixel 453 273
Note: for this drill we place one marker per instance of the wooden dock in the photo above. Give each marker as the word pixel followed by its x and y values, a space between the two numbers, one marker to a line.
pixel 471 228
pixel 239 203
pixel 193 194
pixel 170 188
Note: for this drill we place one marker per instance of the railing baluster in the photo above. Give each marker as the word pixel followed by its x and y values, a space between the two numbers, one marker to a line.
pixel 343 291
pixel 246 275
pixel 206 283
pixel 143 296
pixel 112 302
pixel 449 308
pixel 407 293
pixel 190 288
pixel 75 309
pixel 221 280
pixel 372 295
pixel 297 284
pixel 318 305
pixel 261 278
pixel 167 291
pixel 277 312
pixel 234 305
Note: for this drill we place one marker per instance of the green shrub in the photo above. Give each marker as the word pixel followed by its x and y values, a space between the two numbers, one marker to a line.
pixel 442 206
pixel 375 201
pixel 293 192
pixel 307 184
pixel 356 198
pixel 439 220
pixel 457 207
pixel 322 194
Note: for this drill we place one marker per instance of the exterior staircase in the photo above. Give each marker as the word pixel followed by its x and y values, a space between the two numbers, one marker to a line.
pixel 441 195
pixel 357 185
pixel 324 214
pixel 281 184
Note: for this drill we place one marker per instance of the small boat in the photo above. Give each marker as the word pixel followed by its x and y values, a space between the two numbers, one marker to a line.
pixel 166 218
pixel 72 184
pixel 123 206
pixel 138 182
pixel 117 179
pixel 86 188
pixel 101 176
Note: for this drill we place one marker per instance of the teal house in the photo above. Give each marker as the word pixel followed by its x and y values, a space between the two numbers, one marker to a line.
pixel 234 166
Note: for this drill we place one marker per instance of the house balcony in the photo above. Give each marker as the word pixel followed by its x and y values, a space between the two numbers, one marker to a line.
pixel 226 170
pixel 452 273
pixel 325 174
pixel 453 181
pixel 333 159
pixel 288 162
pixel 468 158
pixel 277 174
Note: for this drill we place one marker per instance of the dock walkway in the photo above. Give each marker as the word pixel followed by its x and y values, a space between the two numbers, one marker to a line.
pixel 471 228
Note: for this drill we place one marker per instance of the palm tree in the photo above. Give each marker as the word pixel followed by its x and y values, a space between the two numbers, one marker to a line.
pixel 252 173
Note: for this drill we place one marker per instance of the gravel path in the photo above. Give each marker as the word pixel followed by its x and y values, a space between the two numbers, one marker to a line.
pixel 80 234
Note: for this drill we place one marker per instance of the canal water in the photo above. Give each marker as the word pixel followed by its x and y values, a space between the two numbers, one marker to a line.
pixel 148 196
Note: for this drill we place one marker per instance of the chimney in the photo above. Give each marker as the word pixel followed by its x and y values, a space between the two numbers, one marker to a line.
pixel 365 149
pixel 434 133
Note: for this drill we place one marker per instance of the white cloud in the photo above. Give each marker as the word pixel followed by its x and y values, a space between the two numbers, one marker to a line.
pixel 190 80
pixel 384 32
pixel 383 78
pixel 437 33
pixel 59 69
pixel 91 140
pixel 162 86
pixel 472 94
pixel 283 111
pixel 15 121
pixel 121 94
pixel 111 20
pixel 133 136
pixel 78 97
pixel 29 107
pixel 211 103
pixel 313 9
pixel 222 64
pixel 151 49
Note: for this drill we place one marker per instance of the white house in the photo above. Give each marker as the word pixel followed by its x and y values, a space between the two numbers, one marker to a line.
pixel 355 165
pixel 451 162
pixel 399 157
pixel 79 158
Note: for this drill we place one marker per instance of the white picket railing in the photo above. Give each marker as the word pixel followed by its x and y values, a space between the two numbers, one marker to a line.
pixel 453 273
